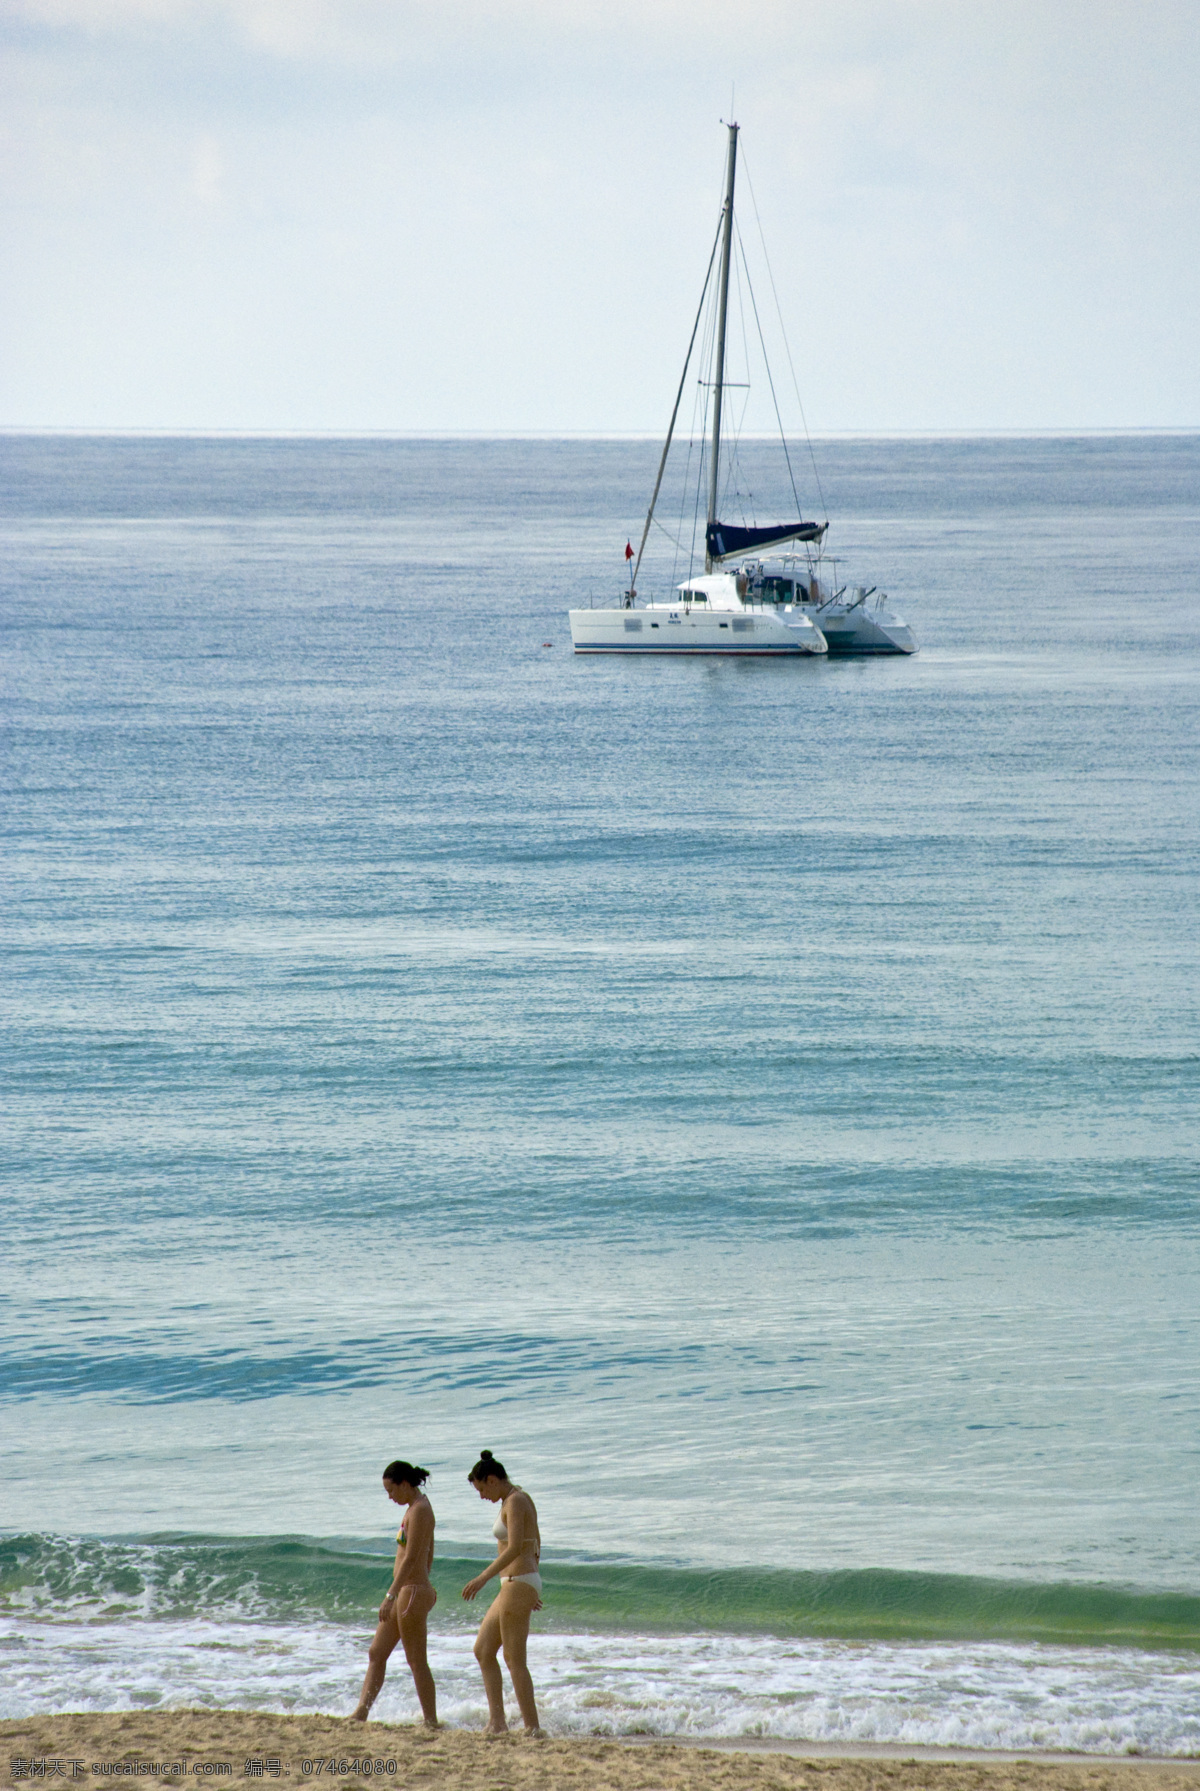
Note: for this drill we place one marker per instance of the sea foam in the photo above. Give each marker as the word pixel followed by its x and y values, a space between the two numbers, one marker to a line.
pixel 992 1696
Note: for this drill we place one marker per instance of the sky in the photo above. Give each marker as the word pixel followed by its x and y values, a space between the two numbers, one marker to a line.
pixel 494 215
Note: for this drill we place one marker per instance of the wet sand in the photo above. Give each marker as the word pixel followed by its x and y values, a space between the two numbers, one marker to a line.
pixel 213 1745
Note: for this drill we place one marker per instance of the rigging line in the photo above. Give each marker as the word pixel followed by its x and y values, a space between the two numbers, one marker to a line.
pixel 731 458
pixel 731 492
pixel 733 488
pixel 738 271
pixel 662 527
pixel 675 412
pixel 787 347
pixel 748 517
pixel 701 470
pixel 687 473
pixel 685 486
pixel 700 441
pixel 770 381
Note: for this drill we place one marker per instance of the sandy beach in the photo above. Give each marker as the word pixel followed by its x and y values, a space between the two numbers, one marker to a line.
pixel 216 1745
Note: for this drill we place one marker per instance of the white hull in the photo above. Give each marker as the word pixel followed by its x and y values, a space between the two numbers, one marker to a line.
pixel 860 630
pixel 670 629
pixel 850 621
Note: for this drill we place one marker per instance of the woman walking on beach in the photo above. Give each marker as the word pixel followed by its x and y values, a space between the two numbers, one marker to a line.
pixel 507 1622
pixel 405 1611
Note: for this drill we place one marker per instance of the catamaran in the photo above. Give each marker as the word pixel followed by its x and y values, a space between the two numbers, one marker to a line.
pixel 739 606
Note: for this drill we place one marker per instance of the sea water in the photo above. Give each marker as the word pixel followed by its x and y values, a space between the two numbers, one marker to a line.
pixel 755 1100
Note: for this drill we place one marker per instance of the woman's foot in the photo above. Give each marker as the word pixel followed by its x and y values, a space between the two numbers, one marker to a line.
pixel 360 1715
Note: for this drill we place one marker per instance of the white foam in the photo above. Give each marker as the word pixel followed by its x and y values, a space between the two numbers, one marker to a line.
pixel 979 1696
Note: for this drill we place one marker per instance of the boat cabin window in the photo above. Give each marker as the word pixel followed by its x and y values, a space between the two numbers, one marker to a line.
pixel 694 597
pixel 776 590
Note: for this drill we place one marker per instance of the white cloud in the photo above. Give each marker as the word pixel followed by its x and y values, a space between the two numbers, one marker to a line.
pixel 207 169
pixel 979 216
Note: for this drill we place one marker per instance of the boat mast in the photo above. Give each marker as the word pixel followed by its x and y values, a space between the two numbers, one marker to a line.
pixel 714 469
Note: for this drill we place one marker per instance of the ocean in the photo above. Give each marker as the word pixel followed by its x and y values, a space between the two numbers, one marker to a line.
pixel 756 1100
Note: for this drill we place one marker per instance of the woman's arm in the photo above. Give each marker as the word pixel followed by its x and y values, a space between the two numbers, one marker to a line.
pixel 515 1520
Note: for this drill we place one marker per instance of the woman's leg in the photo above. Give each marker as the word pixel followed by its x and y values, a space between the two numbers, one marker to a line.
pixel 517 1605
pixel 414 1635
pixel 487 1647
pixel 386 1637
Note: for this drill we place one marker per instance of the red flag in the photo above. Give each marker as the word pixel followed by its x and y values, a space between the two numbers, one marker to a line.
pixel 629 550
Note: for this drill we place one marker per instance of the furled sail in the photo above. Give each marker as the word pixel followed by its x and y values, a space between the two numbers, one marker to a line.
pixel 724 539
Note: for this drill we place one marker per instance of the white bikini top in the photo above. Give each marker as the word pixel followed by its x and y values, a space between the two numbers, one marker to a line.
pixel 500 1532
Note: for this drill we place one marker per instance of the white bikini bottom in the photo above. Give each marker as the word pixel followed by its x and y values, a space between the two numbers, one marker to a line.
pixel 523 1579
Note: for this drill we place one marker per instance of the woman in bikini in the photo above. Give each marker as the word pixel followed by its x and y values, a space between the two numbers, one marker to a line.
pixel 405 1611
pixel 507 1622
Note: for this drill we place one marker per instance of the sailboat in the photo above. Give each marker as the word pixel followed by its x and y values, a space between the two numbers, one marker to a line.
pixel 738 607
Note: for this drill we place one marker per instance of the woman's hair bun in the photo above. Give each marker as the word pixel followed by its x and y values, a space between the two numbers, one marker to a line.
pixel 487 1467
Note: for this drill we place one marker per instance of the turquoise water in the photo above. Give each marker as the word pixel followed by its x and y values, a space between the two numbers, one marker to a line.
pixel 280 1579
pixel 756 1101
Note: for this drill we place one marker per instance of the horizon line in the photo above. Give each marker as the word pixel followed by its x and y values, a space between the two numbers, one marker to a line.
pixel 121 432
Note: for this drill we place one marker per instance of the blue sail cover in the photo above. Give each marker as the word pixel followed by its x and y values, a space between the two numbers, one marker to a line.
pixel 724 539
